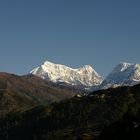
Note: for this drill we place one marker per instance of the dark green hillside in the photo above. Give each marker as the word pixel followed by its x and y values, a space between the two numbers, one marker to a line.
pixel 77 118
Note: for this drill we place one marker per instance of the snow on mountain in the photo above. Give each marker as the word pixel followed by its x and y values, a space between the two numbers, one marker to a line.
pixel 85 76
pixel 124 74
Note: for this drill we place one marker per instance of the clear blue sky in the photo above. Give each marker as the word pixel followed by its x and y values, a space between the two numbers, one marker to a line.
pixel 101 33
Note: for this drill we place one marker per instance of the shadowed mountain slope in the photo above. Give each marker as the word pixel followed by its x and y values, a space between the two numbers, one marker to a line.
pixel 24 92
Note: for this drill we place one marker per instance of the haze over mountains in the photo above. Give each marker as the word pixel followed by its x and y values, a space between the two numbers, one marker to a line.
pixel 124 74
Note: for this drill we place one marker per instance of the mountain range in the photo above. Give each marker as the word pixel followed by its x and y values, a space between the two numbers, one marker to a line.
pixel 124 74
pixel 54 82
pixel 51 102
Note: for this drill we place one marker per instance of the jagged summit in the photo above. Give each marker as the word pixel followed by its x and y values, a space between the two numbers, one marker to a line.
pixel 122 66
pixel 123 74
pixel 85 76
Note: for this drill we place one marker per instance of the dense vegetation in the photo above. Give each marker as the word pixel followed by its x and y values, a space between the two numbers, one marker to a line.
pixel 109 114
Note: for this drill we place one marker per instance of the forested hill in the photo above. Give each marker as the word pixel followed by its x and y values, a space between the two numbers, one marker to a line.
pixel 90 117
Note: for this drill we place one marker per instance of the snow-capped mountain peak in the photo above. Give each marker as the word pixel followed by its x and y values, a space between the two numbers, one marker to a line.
pixel 124 74
pixel 122 66
pixel 85 76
